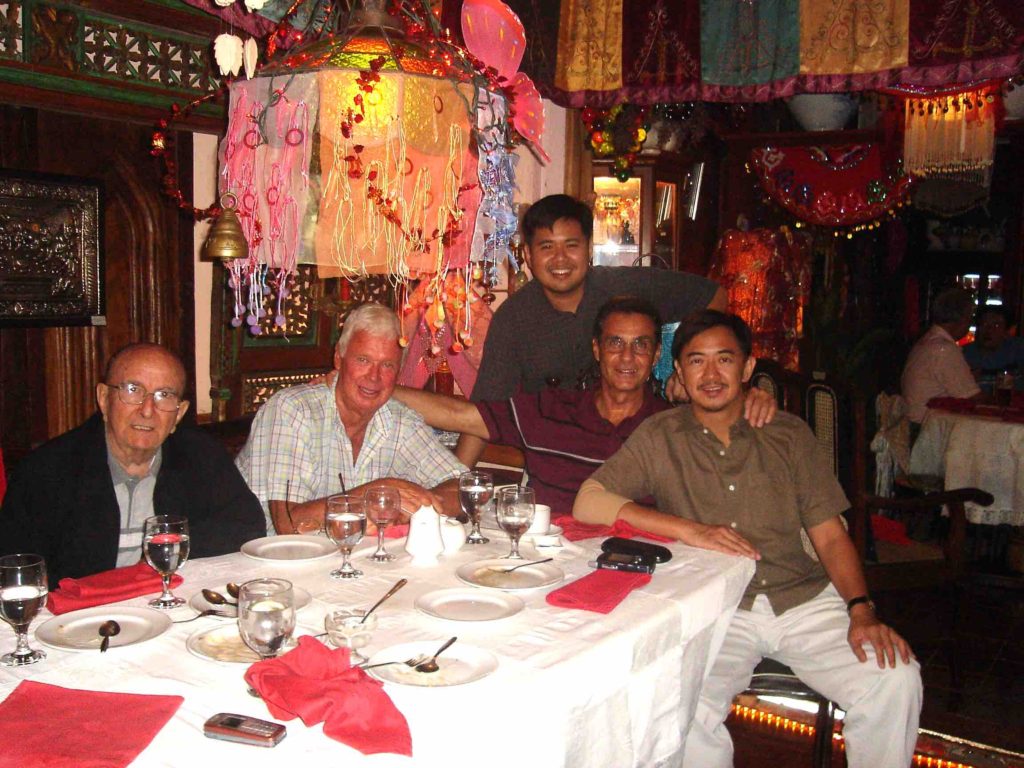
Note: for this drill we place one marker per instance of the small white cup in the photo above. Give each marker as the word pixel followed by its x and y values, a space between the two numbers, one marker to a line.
pixel 541 520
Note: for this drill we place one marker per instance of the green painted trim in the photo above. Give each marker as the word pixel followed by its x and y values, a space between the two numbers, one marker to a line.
pixel 104 90
pixel 177 5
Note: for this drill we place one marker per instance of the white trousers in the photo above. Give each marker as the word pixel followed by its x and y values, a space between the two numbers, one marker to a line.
pixel 882 705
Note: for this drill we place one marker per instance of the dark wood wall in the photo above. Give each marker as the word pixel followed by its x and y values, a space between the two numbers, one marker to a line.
pixel 48 375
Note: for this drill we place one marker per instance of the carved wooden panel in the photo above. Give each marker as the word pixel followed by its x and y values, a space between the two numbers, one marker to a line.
pixel 298 308
pixel 50 259
pixel 257 388
pixel 10 29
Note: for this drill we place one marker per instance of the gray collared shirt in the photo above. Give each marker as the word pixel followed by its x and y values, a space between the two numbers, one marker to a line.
pixel 135 501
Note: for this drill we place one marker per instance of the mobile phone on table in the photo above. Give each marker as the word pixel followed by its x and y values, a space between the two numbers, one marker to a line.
pixel 617 561
pixel 244 730
pixel 659 553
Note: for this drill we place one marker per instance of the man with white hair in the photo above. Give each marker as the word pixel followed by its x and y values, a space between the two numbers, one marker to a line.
pixel 307 440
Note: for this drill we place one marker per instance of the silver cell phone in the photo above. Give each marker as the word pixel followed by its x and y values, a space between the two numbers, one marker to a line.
pixel 244 730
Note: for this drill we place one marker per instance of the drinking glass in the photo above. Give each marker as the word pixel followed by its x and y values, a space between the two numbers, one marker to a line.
pixel 347 629
pixel 345 522
pixel 382 508
pixel 23 589
pixel 475 490
pixel 165 546
pixel 515 515
pixel 266 615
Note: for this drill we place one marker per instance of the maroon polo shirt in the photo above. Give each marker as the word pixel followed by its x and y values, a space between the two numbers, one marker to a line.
pixel 563 437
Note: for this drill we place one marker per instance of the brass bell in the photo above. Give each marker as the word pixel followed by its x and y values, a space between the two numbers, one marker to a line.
pixel 226 240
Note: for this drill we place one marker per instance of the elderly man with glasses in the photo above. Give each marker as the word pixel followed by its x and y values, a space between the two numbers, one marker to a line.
pixel 81 499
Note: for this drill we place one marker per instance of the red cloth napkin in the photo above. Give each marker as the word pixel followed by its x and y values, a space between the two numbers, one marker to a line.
pixel 887 529
pixel 599 591
pixel 46 725
pixel 106 587
pixel 574 530
pixel 317 684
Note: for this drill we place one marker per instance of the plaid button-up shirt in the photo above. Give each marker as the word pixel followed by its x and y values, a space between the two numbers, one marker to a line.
pixel 297 447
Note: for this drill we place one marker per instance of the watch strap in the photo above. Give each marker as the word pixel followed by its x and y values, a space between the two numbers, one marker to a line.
pixel 860 599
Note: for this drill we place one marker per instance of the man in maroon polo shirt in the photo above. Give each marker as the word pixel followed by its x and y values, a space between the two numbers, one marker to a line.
pixel 567 434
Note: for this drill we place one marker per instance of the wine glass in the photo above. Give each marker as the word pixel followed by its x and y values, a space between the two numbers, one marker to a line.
pixel 345 522
pixel 382 508
pixel 165 545
pixel 266 615
pixel 515 515
pixel 351 628
pixel 475 490
pixel 23 589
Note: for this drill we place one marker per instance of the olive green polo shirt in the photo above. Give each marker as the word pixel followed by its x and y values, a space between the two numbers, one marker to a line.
pixel 767 484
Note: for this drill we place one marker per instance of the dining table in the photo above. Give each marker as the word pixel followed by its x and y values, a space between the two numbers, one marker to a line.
pixel 975 448
pixel 570 687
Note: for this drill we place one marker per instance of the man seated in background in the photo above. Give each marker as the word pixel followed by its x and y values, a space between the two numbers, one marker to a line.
pixel 311 441
pixel 566 434
pixel 993 351
pixel 540 336
pixel 720 485
pixel 936 366
pixel 81 499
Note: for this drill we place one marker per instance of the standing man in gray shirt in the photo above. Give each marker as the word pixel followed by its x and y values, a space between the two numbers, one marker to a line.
pixel 540 336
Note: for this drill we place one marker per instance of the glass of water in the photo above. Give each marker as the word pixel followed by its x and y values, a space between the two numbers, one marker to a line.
pixel 351 628
pixel 345 522
pixel 23 589
pixel 475 490
pixel 515 510
pixel 266 615
pixel 165 544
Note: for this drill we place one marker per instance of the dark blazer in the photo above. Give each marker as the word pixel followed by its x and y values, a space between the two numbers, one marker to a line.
pixel 61 504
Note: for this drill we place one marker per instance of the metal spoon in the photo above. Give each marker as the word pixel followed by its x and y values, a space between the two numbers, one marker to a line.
pixel 216 598
pixel 107 630
pixel 233 589
pixel 522 565
pixel 430 665
pixel 398 585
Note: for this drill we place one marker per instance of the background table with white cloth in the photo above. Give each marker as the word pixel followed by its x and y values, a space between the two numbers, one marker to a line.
pixel 974 451
pixel 573 688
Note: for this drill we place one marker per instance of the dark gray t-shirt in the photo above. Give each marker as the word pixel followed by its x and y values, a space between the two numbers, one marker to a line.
pixel 530 341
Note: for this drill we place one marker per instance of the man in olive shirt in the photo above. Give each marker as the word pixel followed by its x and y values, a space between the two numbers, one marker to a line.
pixel 540 336
pixel 721 485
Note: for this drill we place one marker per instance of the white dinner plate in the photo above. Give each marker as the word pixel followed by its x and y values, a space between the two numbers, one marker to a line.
pixel 458 665
pixel 290 547
pixel 487 573
pixel 221 643
pixel 199 603
pixel 464 604
pixel 79 630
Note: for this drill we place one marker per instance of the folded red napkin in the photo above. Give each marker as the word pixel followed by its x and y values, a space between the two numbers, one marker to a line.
pixel 887 529
pixel 317 684
pixel 599 591
pixel 46 725
pixel 106 587
pixel 574 530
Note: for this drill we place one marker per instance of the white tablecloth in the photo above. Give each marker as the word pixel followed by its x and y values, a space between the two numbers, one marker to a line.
pixel 573 688
pixel 975 452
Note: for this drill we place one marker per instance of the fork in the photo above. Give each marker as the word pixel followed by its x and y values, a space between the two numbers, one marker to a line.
pixel 207 612
pixel 521 565
pixel 414 662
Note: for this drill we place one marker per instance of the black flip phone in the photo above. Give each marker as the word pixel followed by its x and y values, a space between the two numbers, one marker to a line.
pixel 617 561
pixel 655 552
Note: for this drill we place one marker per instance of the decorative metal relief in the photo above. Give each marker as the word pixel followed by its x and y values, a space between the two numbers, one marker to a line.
pixel 257 388
pixel 51 270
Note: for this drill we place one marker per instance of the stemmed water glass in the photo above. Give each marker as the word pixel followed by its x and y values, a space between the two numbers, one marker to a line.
pixel 345 522
pixel 266 615
pixel 515 509
pixel 382 508
pixel 23 589
pixel 165 544
pixel 475 490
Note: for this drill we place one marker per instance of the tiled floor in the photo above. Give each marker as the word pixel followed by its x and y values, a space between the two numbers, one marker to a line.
pixel 991 710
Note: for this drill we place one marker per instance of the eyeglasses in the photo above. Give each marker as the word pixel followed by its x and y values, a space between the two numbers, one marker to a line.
pixel 641 345
pixel 131 393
